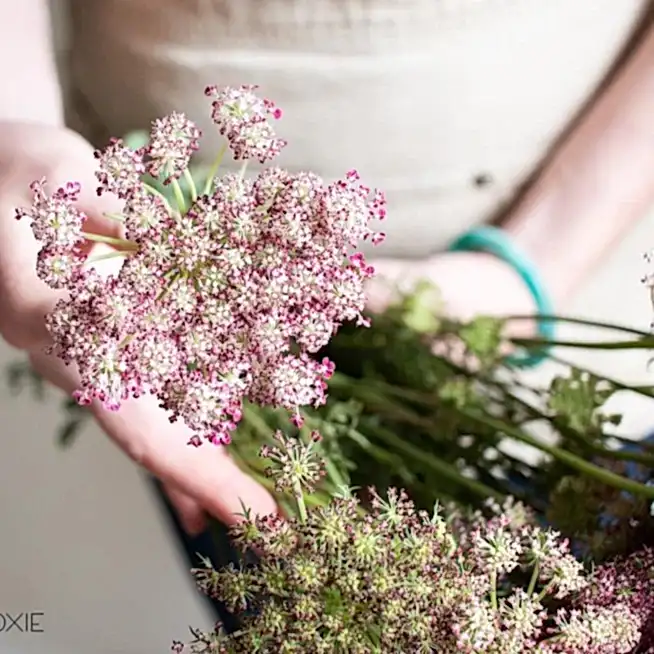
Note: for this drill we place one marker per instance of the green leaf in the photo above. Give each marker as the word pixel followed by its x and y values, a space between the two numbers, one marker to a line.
pixel 576 401
pixel 420 308
pixel 482 337
pixel 21 376
pixel 68 432
pixel 459 392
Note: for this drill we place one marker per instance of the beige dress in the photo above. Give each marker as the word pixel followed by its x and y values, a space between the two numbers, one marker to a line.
pixel 448 105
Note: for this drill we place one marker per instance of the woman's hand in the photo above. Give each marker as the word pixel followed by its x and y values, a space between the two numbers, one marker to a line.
pixel 470 284
pixel 198 480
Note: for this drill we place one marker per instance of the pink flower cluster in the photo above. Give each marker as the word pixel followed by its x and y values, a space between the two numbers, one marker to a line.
pixel 216 302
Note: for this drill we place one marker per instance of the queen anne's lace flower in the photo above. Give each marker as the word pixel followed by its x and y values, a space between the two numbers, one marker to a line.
pixel 396 580
pixel 55 221
pixel 242 118
pixel 120 169
pixel 217 302
pixel 173 140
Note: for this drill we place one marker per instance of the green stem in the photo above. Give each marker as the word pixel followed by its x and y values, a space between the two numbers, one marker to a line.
pixel 543 593
pixel 173 277
pixel 110 240
pixel 425 459
pixel 179 195
pixel 579 321
pixel 405 415
pixel 214 169
pixel 537 414
pixel 383 406
pixel 493 583
pixel 647 391
pixel 157 193
pixel 254 420
pixel 127 340
pixel 643 343
pixel 244 167
pixel 533 580
pixel 299 500
pixel 573 461
pixel 191 184
pixel 601 451
pixel 621 455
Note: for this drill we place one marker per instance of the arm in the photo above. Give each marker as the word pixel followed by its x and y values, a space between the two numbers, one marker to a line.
pixel 30 87
pixel 597 184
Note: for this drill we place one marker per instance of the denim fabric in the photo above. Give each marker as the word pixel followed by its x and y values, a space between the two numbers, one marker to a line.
pixel 215 547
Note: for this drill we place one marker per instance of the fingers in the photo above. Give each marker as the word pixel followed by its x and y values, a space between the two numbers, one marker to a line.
pixel 25 299
pixel 189 512
pixel 142 430
pixel 206 474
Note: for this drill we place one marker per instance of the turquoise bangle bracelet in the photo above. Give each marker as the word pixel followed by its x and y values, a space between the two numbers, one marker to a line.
pixel 495 241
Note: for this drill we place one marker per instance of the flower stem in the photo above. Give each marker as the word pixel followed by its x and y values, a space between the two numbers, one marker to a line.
pixel 299 500
pixel 573 461
pixel 578 321
pixel 645 342
pixel 173 276
pixel 646 391
pixel 157 193
pixel 244 167
pixel 191 184
pixel 214 169
pixel 110 240
pixel 493 584
pixel 543 593
pixel 533 580
pixel 179 195
pixel 437 465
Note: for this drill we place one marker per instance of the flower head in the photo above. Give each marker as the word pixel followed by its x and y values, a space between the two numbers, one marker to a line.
pixel 55 221
pixel 242 118
pixel 294 465
pixel 120 169
pixel 173 140
pixel 217 302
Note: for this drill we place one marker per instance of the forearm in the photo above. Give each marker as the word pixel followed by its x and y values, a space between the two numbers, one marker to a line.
pixel 30 88
pixel 597 185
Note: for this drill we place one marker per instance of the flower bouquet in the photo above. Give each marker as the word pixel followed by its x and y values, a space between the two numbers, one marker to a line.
pixel 226 307
pixel 394 579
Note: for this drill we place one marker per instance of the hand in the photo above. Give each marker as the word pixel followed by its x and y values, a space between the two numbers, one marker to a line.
pixel 470 284
pixel 196 479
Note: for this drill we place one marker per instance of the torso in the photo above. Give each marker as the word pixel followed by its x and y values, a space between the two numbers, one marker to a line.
pixel 448 105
